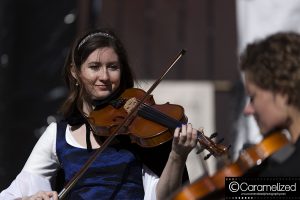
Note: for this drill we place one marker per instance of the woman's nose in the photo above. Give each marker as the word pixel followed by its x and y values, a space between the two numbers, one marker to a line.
pixel 248 109
pixel 103 73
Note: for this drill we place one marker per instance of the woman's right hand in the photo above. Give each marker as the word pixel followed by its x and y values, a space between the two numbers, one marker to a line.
pixel 43 195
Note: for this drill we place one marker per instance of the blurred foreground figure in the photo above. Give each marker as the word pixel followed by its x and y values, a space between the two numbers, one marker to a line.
pixel 272 81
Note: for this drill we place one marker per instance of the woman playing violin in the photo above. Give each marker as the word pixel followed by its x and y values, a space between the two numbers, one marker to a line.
pixel 272 81
pixel 96 72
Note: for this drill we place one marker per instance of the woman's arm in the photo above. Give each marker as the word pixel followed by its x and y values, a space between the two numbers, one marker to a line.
pixel 43 159
pixel 39 169
pixel 25 185
pixel 184 141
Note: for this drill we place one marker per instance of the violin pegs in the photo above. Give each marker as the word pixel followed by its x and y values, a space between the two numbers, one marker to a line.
pixel 207 156
pixel 213 135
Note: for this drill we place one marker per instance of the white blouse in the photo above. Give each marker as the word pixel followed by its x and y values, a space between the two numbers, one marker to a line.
pixel 41 167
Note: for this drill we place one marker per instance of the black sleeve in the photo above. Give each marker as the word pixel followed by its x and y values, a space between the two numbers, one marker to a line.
pixel 156 158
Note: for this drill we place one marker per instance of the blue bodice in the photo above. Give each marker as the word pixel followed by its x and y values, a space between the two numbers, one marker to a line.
pixel 115 174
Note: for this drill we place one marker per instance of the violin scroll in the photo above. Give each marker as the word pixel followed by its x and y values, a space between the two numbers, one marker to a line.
pixel 214 148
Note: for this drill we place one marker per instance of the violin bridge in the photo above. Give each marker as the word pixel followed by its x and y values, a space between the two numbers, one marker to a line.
pixel 130 104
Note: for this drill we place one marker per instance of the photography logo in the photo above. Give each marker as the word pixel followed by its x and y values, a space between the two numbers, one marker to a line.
pixel 262 188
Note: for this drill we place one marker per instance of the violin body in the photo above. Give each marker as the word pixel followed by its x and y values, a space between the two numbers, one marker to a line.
pixel 152 124
pixel 148 124
pixel 249 158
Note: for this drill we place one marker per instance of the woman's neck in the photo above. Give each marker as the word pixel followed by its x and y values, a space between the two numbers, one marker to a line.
pixel 294 127
pixel 86 108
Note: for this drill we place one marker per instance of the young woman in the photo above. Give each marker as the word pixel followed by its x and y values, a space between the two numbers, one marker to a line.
pixel 96 72
pixel 272 81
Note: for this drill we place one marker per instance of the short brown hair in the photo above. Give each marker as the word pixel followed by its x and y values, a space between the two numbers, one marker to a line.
pixel 274 64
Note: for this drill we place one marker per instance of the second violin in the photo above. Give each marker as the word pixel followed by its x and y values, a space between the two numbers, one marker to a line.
pixel 249 158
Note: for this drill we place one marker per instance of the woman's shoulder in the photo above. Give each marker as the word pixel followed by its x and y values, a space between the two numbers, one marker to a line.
pixel 49 132
pixel 52 128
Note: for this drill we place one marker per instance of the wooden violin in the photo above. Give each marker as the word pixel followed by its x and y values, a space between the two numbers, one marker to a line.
pixel 249 158
pixel 152 125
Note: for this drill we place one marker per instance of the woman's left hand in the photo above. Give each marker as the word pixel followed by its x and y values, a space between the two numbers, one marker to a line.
pixel 185 139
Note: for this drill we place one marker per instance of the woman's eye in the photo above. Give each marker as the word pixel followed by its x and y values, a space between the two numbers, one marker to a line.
pixel 114 67
pixel 94 67
pixel 251 98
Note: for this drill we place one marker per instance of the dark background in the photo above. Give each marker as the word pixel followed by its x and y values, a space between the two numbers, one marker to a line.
pixel 35 36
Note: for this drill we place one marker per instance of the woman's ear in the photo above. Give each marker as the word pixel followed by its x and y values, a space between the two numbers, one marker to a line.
pixel 74 71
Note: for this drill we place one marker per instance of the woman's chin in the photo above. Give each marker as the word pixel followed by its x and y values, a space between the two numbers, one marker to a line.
pixel 102 96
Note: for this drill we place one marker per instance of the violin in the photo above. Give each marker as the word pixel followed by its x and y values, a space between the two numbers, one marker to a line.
pixel 152 125
pixel 249 158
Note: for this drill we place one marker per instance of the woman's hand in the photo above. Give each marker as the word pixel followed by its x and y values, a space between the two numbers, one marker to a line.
pixel 42 195
pixel 185 139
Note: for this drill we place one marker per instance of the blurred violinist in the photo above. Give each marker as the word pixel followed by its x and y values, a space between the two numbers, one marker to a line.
pixel 96 72
pixel 272 80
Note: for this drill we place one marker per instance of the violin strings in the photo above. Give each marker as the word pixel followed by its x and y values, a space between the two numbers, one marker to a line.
pixel 157 116
pixel 150 113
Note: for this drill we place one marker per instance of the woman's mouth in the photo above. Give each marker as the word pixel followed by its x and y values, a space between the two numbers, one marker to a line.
pixel 103 87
